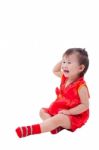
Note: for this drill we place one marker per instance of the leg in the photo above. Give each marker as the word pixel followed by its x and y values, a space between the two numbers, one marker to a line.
pixel 46 126
pixel 44 115
pixel 54 122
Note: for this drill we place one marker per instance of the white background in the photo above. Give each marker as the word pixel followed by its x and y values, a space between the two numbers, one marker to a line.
pixel 33 36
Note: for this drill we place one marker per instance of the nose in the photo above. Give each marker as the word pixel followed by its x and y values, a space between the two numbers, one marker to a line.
pixel 64 65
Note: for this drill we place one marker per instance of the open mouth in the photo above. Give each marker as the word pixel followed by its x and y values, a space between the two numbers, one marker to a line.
pixel 66 71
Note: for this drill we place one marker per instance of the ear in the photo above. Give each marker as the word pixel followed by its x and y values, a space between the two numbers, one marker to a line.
pixel 81 68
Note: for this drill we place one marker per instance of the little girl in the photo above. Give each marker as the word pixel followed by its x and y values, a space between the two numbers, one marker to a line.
pixel 70 110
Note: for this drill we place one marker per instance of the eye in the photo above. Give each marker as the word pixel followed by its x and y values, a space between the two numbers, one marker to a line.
pixel 69 62
pixel 63 62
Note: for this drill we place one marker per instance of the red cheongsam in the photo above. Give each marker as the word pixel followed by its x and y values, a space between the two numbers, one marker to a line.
pixel 67 97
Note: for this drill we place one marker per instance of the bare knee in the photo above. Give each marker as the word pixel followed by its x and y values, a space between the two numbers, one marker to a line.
pixel 62 120
pixel 41 112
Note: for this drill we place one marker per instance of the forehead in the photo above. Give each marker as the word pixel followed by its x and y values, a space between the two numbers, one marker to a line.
pixel 72 57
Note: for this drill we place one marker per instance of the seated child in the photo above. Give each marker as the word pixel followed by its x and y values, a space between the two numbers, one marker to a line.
pixel 70 110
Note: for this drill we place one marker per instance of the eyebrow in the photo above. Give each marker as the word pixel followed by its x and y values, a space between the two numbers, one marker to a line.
pixel 66 59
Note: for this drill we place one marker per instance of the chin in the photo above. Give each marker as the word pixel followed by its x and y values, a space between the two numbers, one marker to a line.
pixel 66 75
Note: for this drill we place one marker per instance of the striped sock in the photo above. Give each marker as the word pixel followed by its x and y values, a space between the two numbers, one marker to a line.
pixel 57 130
pixel 28 130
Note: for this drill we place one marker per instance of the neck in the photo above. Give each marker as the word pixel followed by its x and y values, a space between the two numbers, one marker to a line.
pixel 71 80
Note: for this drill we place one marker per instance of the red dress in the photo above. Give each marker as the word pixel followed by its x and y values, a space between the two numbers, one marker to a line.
pixel 67 97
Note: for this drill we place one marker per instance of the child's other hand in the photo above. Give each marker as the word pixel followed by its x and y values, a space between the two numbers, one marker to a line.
pixel 64 111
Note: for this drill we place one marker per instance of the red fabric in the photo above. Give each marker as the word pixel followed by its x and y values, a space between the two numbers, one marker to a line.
pixel 67 97
pixel 78 120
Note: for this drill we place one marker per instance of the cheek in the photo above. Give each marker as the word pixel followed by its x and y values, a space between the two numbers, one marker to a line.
pixel 75 69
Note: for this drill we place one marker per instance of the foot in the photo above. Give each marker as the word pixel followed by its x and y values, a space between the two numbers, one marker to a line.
pixel 18 131
pixel 57 130
pixel 24 131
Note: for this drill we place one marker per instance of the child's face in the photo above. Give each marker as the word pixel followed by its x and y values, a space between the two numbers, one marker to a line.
pixel 70 66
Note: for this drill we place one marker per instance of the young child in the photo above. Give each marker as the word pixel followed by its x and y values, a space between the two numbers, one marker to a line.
pixel 70 110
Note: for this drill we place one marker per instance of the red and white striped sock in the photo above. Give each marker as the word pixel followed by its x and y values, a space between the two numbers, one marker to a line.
pixel 28 130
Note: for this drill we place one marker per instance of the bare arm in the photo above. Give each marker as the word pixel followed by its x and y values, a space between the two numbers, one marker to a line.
pixel 57 69
pixel 84 97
